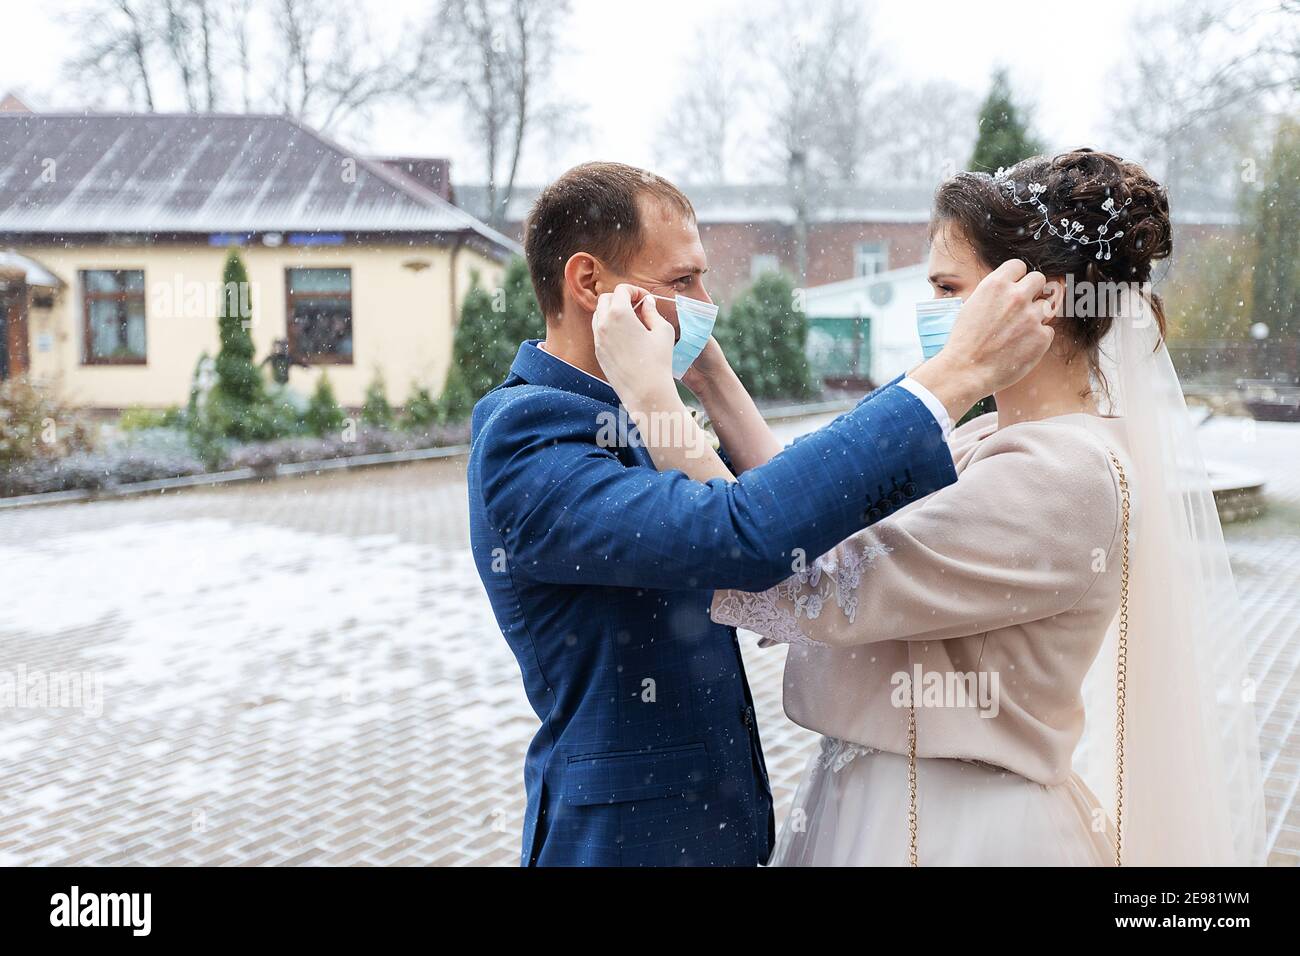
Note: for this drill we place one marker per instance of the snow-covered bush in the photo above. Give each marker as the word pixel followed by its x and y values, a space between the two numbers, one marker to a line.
pixel 34 425
pixel 367 441
pixel 94 471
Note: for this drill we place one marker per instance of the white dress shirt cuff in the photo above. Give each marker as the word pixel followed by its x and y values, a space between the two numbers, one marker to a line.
pixel 929 401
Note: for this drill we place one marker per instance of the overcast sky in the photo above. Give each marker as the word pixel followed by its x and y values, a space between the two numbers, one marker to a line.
pixel 624 57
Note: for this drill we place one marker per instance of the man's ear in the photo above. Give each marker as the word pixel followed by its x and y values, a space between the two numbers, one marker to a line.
pixel 581 279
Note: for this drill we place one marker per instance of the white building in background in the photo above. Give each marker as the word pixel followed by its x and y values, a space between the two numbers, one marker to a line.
pixel 865 328
pixel 114 229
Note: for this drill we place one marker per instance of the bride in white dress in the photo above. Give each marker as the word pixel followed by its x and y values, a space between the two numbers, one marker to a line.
pixel 1040 664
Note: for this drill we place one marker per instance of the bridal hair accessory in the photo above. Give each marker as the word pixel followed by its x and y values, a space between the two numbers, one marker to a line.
pixel 1068 230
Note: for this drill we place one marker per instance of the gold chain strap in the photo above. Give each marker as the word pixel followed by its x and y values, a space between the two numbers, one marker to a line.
pixel 1121 670
pixel 911 777
pixel 1121 678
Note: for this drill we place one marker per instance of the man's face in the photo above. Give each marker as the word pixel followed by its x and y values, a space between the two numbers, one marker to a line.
pixel 671 259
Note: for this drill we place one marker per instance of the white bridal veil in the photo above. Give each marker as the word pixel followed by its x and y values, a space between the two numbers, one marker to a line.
pixel 1193 792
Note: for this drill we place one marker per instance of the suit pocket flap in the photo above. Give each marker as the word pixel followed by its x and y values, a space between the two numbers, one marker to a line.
pixel 635 775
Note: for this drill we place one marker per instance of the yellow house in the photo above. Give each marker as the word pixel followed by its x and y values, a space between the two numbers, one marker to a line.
pixel 114 229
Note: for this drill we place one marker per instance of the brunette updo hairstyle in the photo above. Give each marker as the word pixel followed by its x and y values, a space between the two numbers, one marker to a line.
pixel 1077 184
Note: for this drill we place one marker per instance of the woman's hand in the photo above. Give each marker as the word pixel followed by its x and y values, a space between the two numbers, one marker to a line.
pixel 634 347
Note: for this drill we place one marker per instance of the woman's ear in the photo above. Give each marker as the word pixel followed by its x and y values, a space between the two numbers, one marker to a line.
pixel 581 281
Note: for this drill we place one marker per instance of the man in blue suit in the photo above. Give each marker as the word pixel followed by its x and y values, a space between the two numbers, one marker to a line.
pixel 601 570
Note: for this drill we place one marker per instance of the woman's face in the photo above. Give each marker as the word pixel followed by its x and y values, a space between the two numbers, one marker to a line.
pixel 955 269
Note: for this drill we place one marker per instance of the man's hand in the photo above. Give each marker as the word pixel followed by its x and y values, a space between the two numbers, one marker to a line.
pixel 708 371
pixel 1000 334
pixel 634 345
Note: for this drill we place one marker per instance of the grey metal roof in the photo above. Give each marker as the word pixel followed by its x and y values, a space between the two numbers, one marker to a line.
pixel 771 203
pixel 64 174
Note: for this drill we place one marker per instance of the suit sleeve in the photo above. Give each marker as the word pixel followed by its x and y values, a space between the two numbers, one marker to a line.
pixel 571 512
pixel 1021 536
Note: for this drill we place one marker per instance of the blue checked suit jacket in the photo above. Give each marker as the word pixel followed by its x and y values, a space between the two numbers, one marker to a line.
pixel 601 571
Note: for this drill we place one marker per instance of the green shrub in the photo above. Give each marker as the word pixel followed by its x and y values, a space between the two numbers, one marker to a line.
pixel 764 336
pixel 458 397
pixel 238 379
pixel 376 410
pixel 421 408
pixel 323 416
pixel 265 421
pixel 1004 136
pixel 240 406
pixel 492 325
pixel 137 419
pixel 1275 286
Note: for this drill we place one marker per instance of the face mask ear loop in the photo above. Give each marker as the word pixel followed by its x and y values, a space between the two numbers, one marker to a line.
pixel 661 298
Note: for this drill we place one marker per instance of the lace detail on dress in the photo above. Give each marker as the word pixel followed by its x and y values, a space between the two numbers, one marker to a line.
pixel 837 754
pixel 775 613
pixel 761 614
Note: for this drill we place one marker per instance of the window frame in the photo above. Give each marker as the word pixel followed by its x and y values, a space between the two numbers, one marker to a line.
pixel 89 296
pixel 879 253
pixel 291 327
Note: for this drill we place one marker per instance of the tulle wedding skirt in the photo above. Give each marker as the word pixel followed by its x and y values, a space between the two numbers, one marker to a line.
pixel 851 810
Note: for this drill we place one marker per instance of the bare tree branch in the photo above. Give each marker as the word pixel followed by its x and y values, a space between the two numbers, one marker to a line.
pixel 239 13
pixel 330 69
pixel 492 57
pixel 695 138
pixel 177 39
pixel 1190 100
pixel 118 42
pixel 926 130
pixel 808 77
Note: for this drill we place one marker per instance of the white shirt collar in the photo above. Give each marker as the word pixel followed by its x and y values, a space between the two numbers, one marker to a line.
pixel 541 347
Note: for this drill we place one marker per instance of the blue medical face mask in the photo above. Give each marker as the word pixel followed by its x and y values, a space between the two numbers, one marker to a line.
pixel 695 320
pixel 934 322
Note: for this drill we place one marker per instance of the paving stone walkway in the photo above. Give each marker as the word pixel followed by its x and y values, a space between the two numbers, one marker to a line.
pixel 307 672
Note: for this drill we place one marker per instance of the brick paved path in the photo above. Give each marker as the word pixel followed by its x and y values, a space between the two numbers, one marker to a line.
pixel 308 672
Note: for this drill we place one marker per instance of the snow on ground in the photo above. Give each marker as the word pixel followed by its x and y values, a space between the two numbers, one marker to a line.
pixel 309 672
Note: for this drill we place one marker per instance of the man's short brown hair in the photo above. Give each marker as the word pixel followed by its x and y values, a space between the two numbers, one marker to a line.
pixel 592 208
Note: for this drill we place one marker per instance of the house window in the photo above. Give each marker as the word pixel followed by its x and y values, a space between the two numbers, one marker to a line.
pixel 319 314
pixel 763 263
pixel 870 258
pixel 114 317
